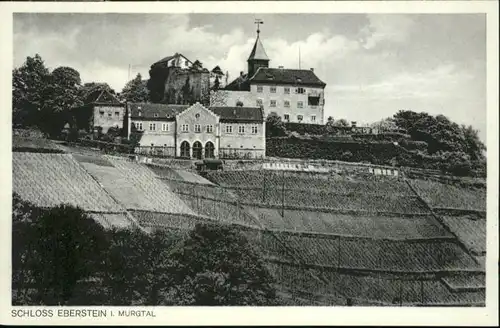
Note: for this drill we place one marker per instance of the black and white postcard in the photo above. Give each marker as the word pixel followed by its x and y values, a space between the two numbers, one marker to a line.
pixel 250 163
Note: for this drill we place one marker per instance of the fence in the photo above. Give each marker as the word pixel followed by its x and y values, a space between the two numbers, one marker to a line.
pixel 155 151
pixel 242 153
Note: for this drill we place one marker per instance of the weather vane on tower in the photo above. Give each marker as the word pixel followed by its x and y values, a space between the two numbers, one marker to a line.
pixel 258 22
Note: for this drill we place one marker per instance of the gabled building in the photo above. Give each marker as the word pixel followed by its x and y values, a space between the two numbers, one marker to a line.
pixel 101 110
pixel 196 131
pixel 176 60
pixel 296 95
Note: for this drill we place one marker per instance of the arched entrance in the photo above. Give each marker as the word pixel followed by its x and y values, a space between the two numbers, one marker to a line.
pixel 209 150
pixel 197 150
pixel 185 149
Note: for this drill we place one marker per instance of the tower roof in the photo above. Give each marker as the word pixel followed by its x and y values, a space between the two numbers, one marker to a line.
pixel 258 51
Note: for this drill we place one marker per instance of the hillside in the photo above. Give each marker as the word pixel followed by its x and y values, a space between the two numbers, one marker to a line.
pixel 357 231
pixel 327 238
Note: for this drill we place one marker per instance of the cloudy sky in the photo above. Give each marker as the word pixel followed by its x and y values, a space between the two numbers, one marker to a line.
pixel 373 64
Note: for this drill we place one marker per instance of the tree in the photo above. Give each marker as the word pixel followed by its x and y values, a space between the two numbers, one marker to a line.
pixel 66 250
pixel 386 124
pixel 218 266
pixel 60 95
pixel 28 84
pixel 274 126
pixel 218 98
pixel 341 122
pixel 186 92
pixel 216 85
pixel 441 134
pixel 136 90
pixel 24 214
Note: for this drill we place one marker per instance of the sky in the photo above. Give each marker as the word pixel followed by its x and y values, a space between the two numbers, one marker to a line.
pixel 373 64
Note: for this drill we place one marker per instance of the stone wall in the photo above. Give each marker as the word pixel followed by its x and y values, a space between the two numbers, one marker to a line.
pixel 175 86
pixel 305 165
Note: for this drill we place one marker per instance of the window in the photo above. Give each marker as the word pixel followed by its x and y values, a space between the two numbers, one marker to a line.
pixel 138 126
pixel 117 113
pixel 259 88
pixel 300 104
pixel 197 116
pixel 300 118
pixel 109 114
pixel 164 126
pixel 197 128
pixel 185 128
pixel 209 128
pixel 229 129
pixel 287 103
pixel 313 118
pixel 300 90
pixel 286 117
pixel 152 126
pixel 273 89
pixel 287 91
pixel 101 113
pixel 259 102
pixel 241 129
pixel 313 101
pixel 254 130
pixel 273 103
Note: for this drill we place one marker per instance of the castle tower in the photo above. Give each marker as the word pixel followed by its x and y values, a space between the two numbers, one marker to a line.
pixel 258 57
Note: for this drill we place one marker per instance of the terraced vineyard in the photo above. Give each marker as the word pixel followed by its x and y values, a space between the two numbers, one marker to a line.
pixel 48 180
pixel 372 240
pixel 134 185
pixel 370 290
pixel 447 196
pixel 387 227
pixel 326 238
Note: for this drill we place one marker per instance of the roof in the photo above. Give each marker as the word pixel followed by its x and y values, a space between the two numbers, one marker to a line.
pixel 258 52
pixel 241 83
pixel 217 70
pixel 102 97
pixel 286 76
pixel 239 114
pixel 162 111
pixel 166 59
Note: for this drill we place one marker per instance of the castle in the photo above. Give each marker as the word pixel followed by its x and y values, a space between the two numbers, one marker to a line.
pixel 296 95
pixel 177 80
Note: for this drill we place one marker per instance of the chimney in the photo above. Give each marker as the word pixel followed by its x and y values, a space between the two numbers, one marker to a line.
pixel 312 69
pixel 353 124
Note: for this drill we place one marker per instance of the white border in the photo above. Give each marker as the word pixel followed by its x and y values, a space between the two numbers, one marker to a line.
pixel 280 315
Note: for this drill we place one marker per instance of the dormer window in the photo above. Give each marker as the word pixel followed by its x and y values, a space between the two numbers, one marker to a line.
pixel 156 115
pixel 139 113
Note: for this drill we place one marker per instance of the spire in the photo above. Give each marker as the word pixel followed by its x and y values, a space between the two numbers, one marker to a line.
pixel 258 52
